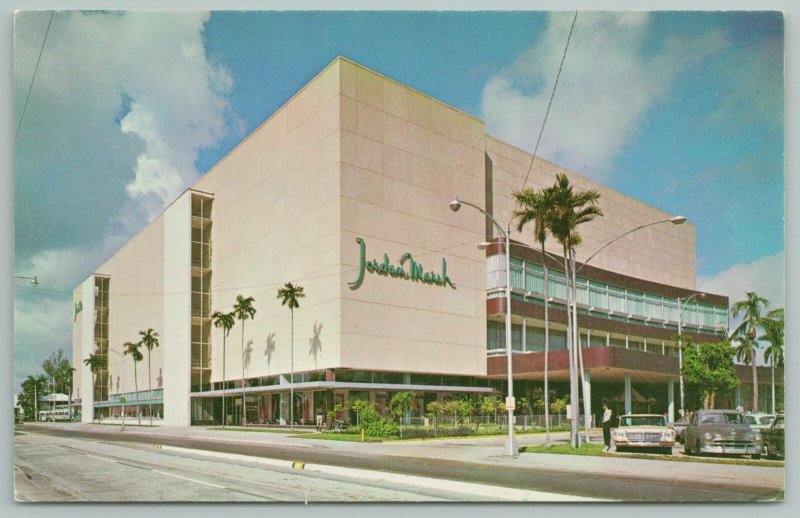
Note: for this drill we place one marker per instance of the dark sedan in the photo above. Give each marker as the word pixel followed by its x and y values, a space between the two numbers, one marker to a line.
pixel 773 439
pixel 722 432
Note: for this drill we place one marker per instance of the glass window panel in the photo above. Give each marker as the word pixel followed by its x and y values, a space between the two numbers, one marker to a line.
pixel 495 272
pixel 534 281
pixel 597 298
pixel 535 339
pixel 635 304
pixel 517 277
pixel 558 340
pixel 618 342
pixel 516 337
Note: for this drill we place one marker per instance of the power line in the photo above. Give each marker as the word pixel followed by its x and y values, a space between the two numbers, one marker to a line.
pixel 34 77
pixel 552 95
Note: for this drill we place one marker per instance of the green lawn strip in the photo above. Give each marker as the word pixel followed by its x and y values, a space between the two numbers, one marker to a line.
pixel 596 450
pixel 260 430
pixel 351 437
pixel 356 437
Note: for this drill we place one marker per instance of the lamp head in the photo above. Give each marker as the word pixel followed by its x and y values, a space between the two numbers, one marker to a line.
pixel 678 220
pixel 34 281
pixel 455 204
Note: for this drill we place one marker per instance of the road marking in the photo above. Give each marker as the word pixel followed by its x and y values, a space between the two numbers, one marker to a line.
pixel 489 492
pixel 99 458
pixel 189 479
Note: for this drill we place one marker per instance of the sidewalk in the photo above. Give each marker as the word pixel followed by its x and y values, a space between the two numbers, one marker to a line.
pixel 485 451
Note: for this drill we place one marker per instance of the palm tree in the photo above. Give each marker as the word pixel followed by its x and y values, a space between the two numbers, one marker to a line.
pixel 773 333
pixel 571 209
pixel 243 310
pixel 747 332
pixel 226 322
pixel 289 295
pixel 537 207
pixel 137 356
pixel 149 340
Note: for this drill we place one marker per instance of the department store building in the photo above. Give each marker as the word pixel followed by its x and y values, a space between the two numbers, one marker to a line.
pixel 345 190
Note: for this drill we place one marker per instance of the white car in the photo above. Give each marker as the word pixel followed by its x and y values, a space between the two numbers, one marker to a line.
pixel 759 422
pixel 643 431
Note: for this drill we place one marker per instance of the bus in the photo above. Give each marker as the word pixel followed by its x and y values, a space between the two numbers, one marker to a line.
pixel 58 414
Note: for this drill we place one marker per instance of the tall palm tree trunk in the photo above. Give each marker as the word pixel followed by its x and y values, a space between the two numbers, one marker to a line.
pixel 546 349
pixel 291 379
pixel 150 387
pixel 136 385
pixel 224 381
pixel 573 395
pixel 244 399
pixel 755 376
pixel 773 382
pixel 577 335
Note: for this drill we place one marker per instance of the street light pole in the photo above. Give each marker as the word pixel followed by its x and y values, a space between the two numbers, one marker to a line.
pixel 680 340
pixel 675 220
pixel 34 281
pixel 455 205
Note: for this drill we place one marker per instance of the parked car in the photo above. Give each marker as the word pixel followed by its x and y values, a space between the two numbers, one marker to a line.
pixel 721 432
pixel 642 431
pixel 773 438
pixel 759 422
pixel 680 427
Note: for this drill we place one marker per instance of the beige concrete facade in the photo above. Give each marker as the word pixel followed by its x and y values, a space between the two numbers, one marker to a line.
pixel 353 155
pixel 663 253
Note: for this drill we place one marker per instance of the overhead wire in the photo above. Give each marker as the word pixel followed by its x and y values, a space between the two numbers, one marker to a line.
pixel 33 78
pixel 550 103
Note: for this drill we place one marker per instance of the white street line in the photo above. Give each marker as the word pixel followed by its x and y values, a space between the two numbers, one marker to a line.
pixel 189 479
pixel 478 490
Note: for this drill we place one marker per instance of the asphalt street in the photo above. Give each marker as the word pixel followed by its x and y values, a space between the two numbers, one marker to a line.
pixel 476 461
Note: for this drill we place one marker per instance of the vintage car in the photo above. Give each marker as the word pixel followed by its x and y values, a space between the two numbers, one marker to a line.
pixel 759 422
pixel 680 427
pixel 721 432
pixel 643 431
pixel 773 438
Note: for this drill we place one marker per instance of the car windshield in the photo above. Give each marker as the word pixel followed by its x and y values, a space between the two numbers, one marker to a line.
pixel 642 420
pixel 750 419
pixel 767 419
pixel 722 418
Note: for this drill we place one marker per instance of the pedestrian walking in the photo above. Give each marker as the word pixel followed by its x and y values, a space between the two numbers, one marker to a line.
pixel 606 425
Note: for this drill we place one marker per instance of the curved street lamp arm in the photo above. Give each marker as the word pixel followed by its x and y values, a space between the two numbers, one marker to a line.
pixel 496 223
pixel 675 220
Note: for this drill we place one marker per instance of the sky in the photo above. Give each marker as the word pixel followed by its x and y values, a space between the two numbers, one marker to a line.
pixel 684 111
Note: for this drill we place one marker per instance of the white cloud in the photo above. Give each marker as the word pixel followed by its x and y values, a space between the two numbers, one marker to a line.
pixel 611 77
pixel 765 276
pixel 122 105
pixel 137 84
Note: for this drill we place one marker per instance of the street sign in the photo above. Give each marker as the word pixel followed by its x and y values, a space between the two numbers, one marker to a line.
pixel 511 403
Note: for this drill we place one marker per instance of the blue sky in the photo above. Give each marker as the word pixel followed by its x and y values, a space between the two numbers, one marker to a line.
pixel 681 110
